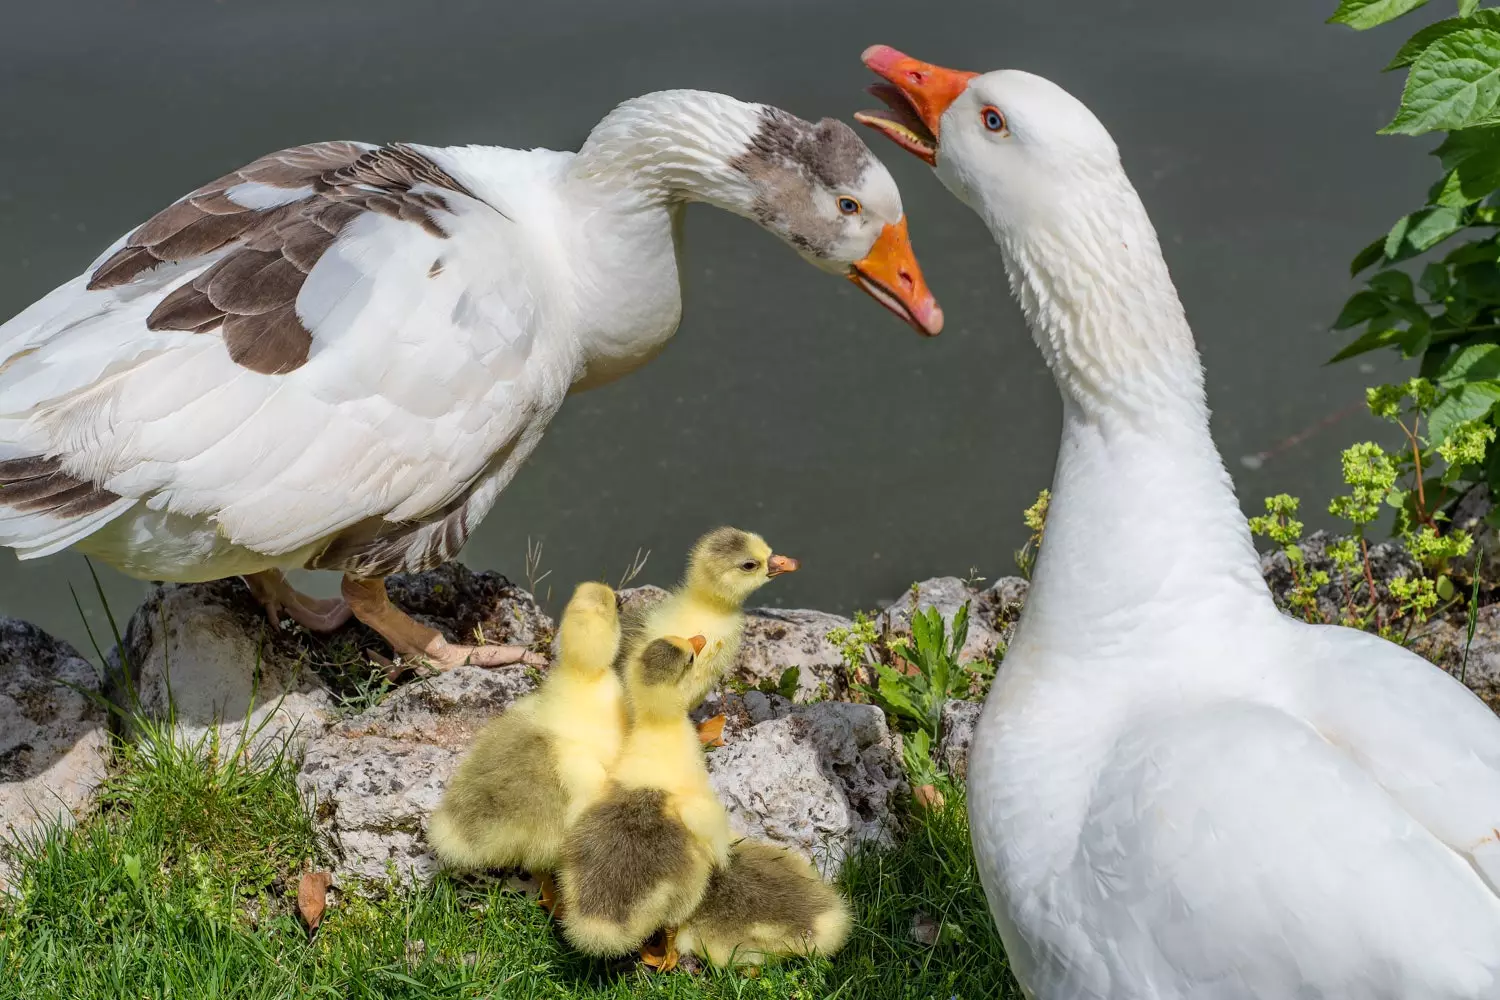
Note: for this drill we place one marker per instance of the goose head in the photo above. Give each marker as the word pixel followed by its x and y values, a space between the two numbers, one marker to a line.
pixel 1083 258
pixel 815 185
pixel 1011 145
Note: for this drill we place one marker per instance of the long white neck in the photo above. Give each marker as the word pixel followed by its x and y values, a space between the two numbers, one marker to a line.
pixel 1143 516
pixel 670 147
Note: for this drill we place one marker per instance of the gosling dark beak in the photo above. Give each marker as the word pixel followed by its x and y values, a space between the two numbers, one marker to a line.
pixel 777 565
pixel 697 642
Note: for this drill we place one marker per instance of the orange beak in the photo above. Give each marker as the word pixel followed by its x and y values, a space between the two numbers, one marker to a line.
pixel 890 275
pixel 697 642
pixel 777 565
pixel 917 93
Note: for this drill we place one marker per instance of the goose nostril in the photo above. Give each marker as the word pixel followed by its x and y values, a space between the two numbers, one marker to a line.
pixel 906 279
pixel 915 76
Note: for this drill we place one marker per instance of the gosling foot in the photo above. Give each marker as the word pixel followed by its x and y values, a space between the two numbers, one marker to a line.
pixel 660 953
pixel 711 731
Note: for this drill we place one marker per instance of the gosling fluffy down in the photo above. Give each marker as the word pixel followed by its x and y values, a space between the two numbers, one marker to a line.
pixel 768 902
pixel 640 858
pixel 546 759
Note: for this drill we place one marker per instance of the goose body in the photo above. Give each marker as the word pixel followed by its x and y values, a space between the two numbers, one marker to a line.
pixel 339 355
pixel 1175 791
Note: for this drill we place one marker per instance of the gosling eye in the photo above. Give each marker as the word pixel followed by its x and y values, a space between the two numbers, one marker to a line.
pixel 992 118
pixel 848 205
pixel 749 565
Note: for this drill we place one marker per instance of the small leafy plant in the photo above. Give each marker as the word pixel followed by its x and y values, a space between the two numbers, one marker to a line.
pixel 1035 517
pixel 1415 484
pixel 932 673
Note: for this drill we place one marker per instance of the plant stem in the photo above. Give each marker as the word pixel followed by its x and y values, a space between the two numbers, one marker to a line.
pixel 1364 548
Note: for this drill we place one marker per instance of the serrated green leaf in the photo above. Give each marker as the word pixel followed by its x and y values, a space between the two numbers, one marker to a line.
pixel 1396 237
pixel 1470 401
pixel 1474 363
pixel 1487 18
pixel 1467 7
pixel 1434 225
pixel 1396 286
pixel 1362 306
pixel 1473 253
pixel 1363 14
pixel 1371 341
pixel 1435 281
pixel 1453 84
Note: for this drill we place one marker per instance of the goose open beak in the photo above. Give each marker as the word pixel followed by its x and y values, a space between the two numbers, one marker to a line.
pixel 917 94
pixel 777 565
pixel 889 273
pixel 697 642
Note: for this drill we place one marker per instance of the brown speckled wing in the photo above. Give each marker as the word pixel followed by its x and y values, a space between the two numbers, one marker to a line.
pixel 40 486
pixel 250 293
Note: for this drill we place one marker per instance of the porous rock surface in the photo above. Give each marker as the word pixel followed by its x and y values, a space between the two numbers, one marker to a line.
pixel 53 733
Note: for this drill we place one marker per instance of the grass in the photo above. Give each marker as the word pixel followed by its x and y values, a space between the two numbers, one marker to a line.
pixel 182 884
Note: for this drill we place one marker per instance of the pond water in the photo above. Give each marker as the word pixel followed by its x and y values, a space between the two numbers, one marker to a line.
pixel 788 403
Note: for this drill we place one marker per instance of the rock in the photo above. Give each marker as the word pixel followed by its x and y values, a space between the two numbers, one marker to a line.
pixel 1442 642
pixel 775 639
pixel 211 645
pixel 957 732
pixel 820 779
pixel 992 612
pixel 53 738
pixel 207 652
pixel 463 605
pixel 374 779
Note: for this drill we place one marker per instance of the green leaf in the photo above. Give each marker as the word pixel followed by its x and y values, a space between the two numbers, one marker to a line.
pixel 1363 14
pixel 132 865
pixel 1431 226
pixel 1471 401
pixel 1362 306
pixel 1453 84
pixel 1475 363
pixel 960 631
pixel 1488 18
pixel 786 684
pixel 1394 285
pixel 1372 254
pixel 1435 281
pixel 1371 341
pixel 1467 7
pixel 1396 237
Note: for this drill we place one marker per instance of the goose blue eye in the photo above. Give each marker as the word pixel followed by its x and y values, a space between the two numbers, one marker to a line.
pixel 993 119
pixel 848 206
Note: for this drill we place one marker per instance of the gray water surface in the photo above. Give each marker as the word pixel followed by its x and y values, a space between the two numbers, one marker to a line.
pixel 788 403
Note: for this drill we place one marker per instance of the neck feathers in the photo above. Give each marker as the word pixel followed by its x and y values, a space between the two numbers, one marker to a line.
pixel 1103 310
pixel 674 146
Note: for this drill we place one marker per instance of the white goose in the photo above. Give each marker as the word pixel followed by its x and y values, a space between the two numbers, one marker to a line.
pixel 337 356
pixel 1175 791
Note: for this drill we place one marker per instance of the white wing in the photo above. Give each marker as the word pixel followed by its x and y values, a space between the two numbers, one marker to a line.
pixel 1427 739
pixel 1233 851
pixel 335 337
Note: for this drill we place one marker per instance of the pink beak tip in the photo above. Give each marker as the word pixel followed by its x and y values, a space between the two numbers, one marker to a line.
pixel 879 55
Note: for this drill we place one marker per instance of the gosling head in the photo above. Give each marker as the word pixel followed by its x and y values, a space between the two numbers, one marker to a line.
pixel 655 677
pixel 589 632
pixel 727 565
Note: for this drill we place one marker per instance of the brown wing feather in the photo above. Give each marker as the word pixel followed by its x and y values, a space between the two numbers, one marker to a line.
pixel 251 293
